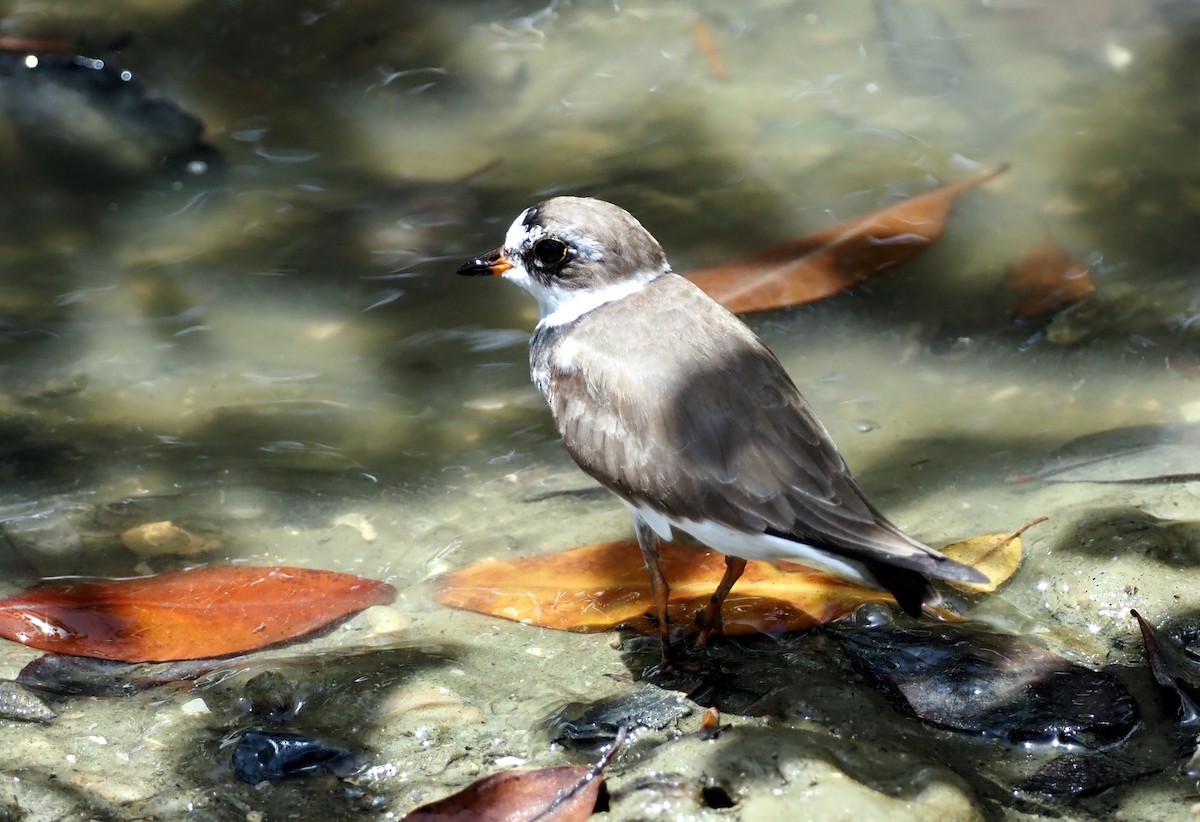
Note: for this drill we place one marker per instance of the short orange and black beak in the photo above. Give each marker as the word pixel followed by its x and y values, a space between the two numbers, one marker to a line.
pixel 494 262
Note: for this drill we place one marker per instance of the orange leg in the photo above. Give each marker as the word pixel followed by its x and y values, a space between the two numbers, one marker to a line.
pixel 710 617
pixel 648 541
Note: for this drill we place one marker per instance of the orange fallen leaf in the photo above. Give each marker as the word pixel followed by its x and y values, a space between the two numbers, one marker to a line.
pixel 564 794
pixel 1046 280
pixel 828 262
pixel 706 41
pixel 605 586
pixel 205 612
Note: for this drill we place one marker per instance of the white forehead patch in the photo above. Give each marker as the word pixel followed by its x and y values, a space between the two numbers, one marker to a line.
pixel 520 234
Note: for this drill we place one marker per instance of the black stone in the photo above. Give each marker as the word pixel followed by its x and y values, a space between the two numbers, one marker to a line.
pixel 270 756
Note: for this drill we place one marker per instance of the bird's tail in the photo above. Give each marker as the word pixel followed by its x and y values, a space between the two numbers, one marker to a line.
pixel 911 589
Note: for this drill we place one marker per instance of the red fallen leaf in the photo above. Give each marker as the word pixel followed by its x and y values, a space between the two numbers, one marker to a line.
pixel 828 262
pixel 205 612
pixel 1046 280
pixel 30 44
pixel 605 586
pixel 564 794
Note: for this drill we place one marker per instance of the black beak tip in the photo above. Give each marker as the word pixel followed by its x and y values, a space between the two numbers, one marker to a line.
pixel 494 262
pixel 473 268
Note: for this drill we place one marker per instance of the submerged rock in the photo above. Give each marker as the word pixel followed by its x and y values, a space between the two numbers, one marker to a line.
pixel 159 539
pixel 90 126
pixel 594 724
pixel 17 702
pixel 274 695
pixel 46 540
pixel 970 680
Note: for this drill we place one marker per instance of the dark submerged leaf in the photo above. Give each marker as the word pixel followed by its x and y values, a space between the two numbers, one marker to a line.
pixel 1175 670
pixel 999 686
pixel 1138 453
pixel 1075 776
pixel 85 676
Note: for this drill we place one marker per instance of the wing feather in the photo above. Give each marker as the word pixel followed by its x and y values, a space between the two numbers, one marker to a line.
pixel 669 433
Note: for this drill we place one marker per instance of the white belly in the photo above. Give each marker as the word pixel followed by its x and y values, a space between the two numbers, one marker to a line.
pixel 749 546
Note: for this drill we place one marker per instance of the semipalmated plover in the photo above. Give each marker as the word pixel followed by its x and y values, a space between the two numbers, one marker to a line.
pixel 673 404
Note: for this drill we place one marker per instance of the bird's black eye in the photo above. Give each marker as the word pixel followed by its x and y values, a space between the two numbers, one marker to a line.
pixel 550 252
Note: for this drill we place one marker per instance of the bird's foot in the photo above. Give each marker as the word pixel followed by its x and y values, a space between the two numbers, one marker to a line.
pixel 708 626
pixel 679 659
pixel 676 653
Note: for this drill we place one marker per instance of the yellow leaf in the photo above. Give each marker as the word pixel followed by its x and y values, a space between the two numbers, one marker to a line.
pixel 996 555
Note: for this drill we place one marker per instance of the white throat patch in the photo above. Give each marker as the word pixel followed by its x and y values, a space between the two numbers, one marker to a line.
pixel 560 306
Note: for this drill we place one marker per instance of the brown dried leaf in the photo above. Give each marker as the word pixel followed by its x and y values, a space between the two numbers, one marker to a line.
pixel 996 555
pixel 564 794
pixel 605 586
pixel 1047 280
pixel 516 796
pixel 828 262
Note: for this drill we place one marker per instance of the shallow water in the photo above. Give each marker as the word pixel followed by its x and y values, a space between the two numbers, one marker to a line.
pixel 282 342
